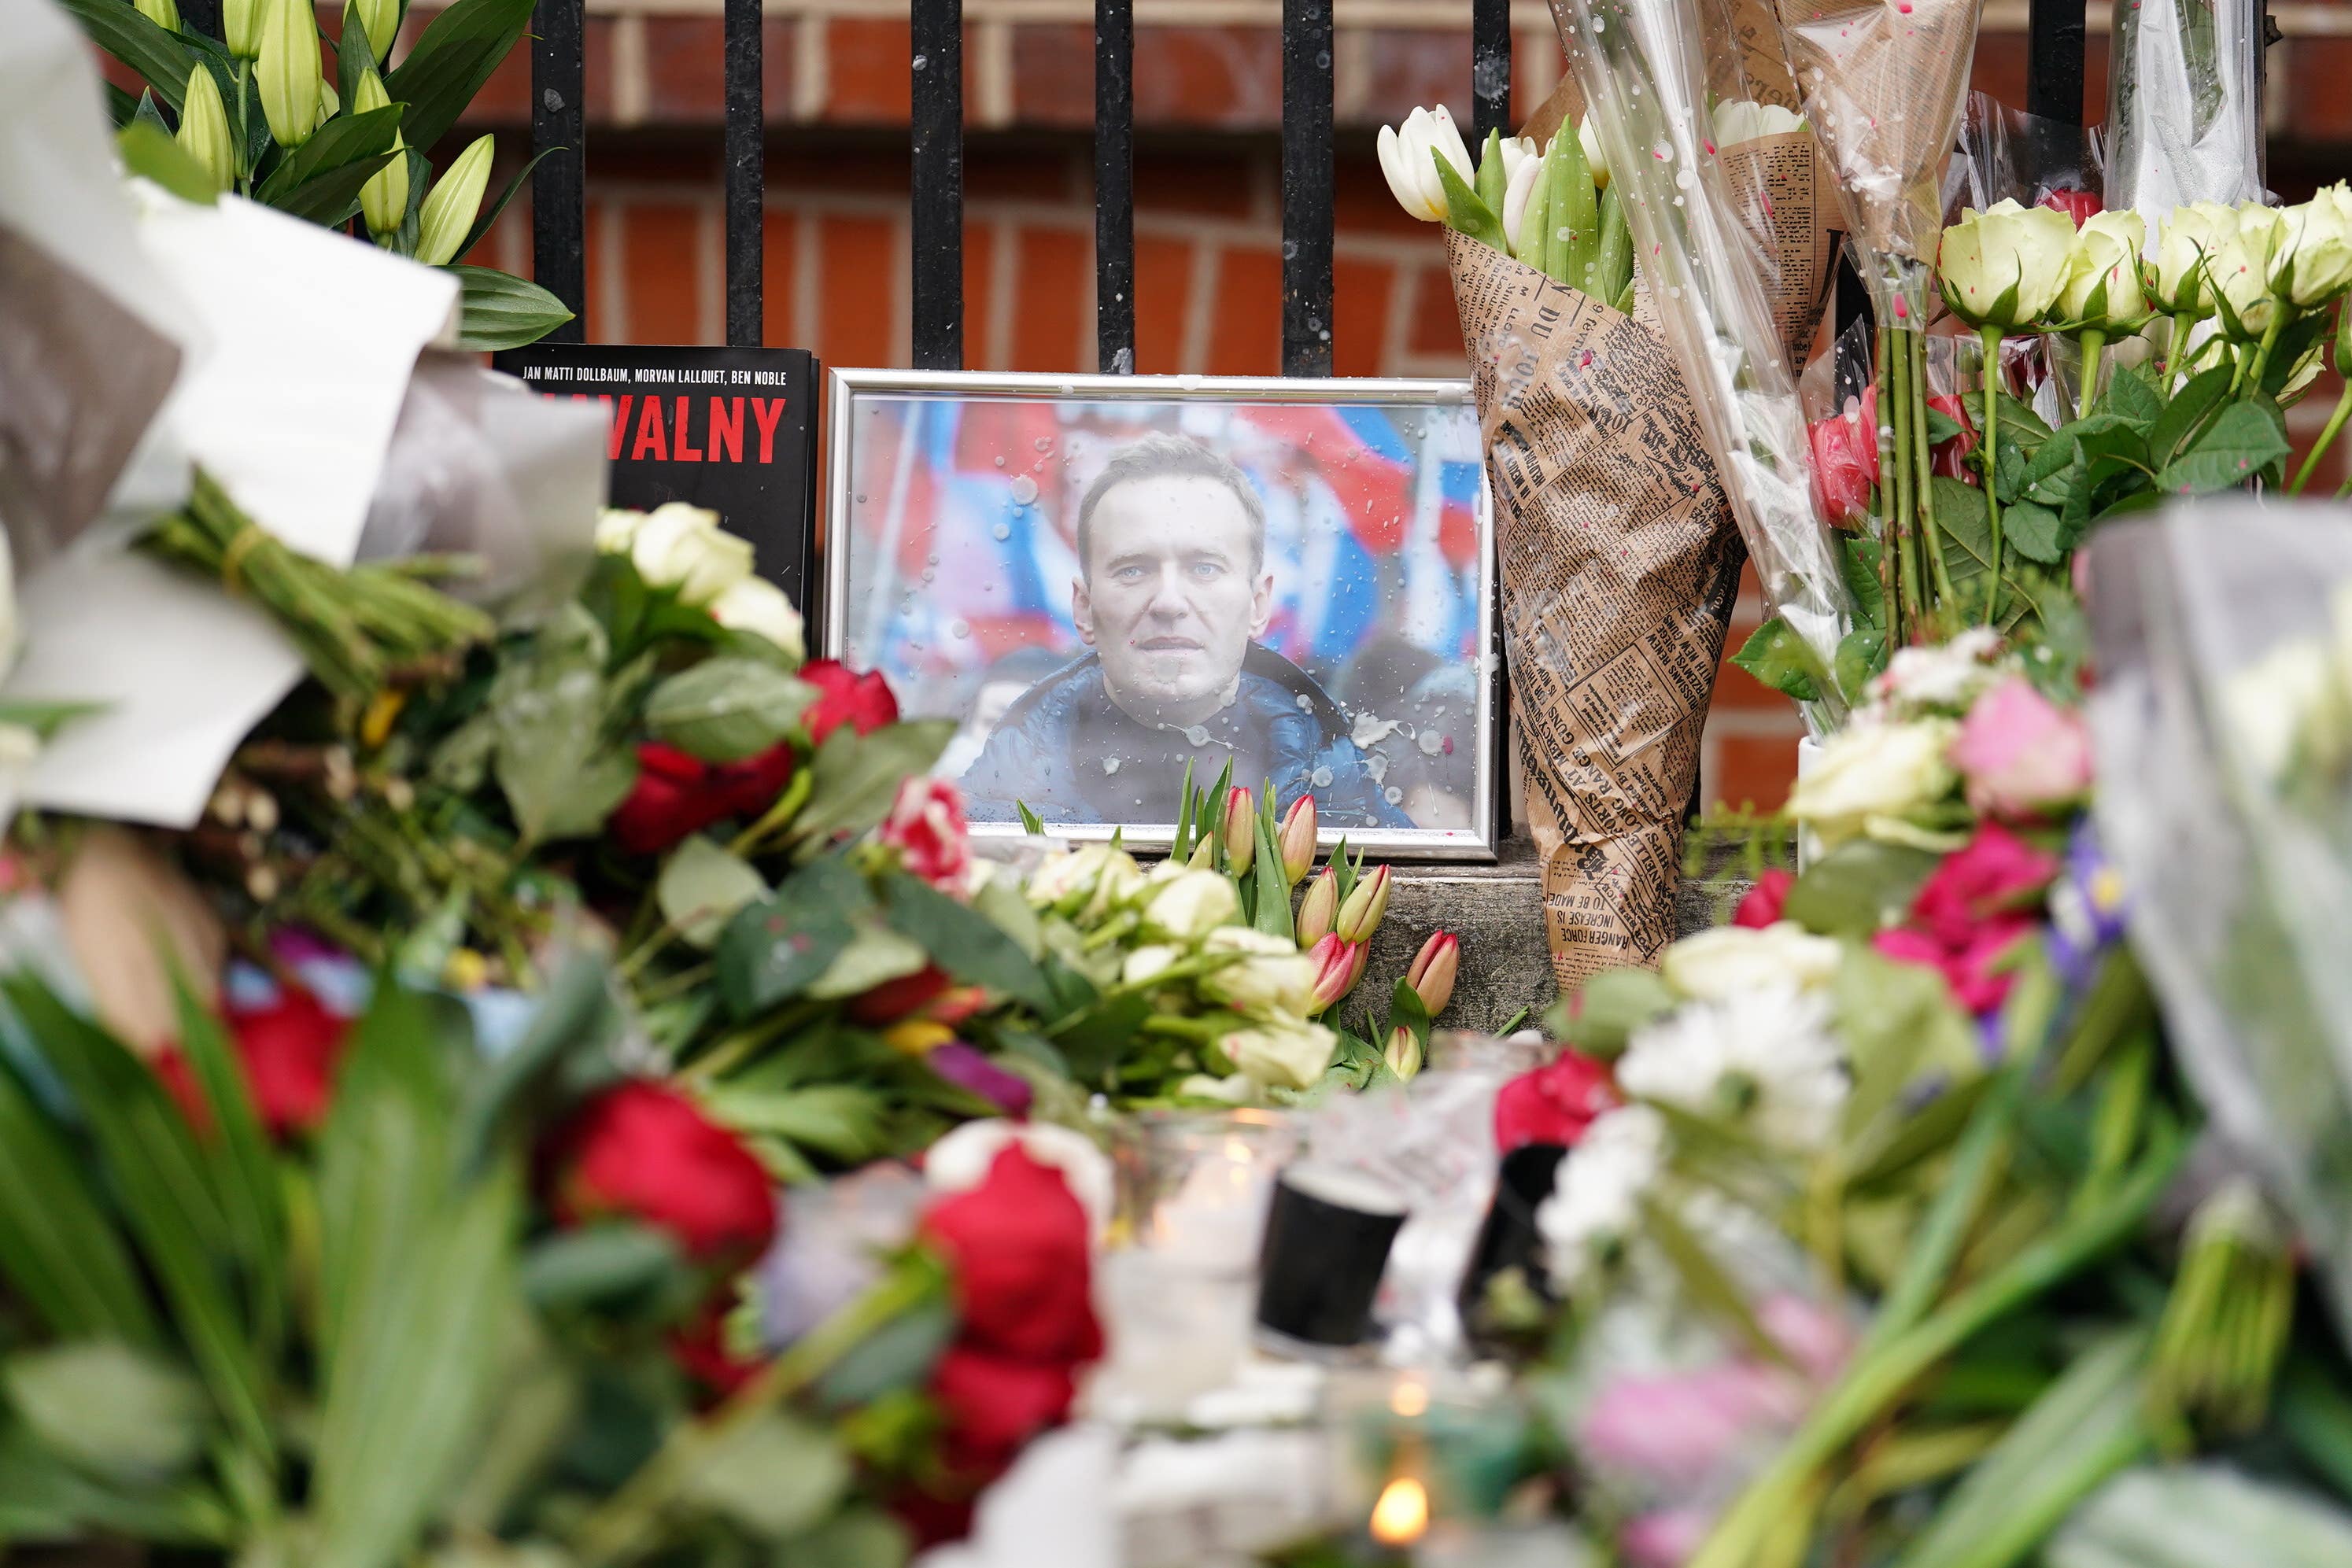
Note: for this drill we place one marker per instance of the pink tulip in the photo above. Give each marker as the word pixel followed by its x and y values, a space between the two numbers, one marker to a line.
pixel 1337 965
pixel 1297 840
pixel 1320 910
pixel 2020 753
pixel 1432 970
pixel 1239 829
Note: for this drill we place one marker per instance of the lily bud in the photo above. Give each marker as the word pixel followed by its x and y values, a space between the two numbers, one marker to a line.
pixel 287 71
pixel 1359 917
pixel 1335 971
pixel 241 26
pixel 1433 971
pixel 164 14
pixel 1239 828
pixel 450 205
pixel 1297 840
pixel 204 132
pixel 1320 910
pixel 383 200
pixel 1403 1052
pixel 379 19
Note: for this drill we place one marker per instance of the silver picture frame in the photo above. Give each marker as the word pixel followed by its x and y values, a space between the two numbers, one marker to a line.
pixel 830 616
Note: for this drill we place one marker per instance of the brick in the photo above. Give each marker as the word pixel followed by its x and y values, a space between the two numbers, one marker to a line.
pixel 1360 293
pixel 1754 770
pixel 1163 292
pixel 1049 307
pixel 661 247
pixel 779 39
pixel 2317 68
pixel 1245 338
pixel 1202 182
pixel 1054 75
pixel 1226 78
pixel 1361 201
pixel 595 325
pixel 780 262
pixel 1417 69
pixel 685 63
pixel 858 273
pixel 1435 326
pixel 1028 174
pixel 869 70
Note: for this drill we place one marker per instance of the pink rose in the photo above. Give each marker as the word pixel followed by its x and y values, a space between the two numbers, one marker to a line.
pixel 2020 753
pixel 1998 874
pixel 1845 461
pixel 1762 906
pixel 1665 1537
pixel 1970 965
pixel 927 827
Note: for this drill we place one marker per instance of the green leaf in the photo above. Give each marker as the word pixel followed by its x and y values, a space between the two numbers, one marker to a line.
pixel 595 1264
pixel 326 172
pixel 1405 1008
pixel 496 310
pixel 2196 398
pixel 858 776
pixel 245 1169
pixel 702 886
pixel 451 61
pixel 113 1411
pixel 727 709
pixel 2131 395
pixel 1941 426
pixel 772 949
pixel 1465 213
pixel 2241 443
pixel 1857 888
pixel 116 27
pixel 855 1538
pixel 842 1120
pixel 2034 531
pixel 775 1475
pixel 961 940
pixel 2293 342
pixel 874 954
pixel 1859 657
pixel 1858 558
pixel 558 719
pixel 899 1355
pixel 149 150
pixel 2025 426
pixel 60 1252
pixel 1777 656
pixel 1001 899
pixel 2194 1516
pixel 1272 915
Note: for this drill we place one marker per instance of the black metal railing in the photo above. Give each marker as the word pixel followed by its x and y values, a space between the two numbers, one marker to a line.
pixel 2054 75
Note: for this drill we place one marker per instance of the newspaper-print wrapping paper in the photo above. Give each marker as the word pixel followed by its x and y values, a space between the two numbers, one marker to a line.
pixel 1619 565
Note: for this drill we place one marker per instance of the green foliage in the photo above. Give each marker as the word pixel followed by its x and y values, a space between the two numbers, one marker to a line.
pixel 726 709
pixel 1777 656
pixel 496 309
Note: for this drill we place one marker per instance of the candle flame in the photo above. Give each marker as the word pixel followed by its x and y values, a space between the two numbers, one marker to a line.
pixel 1401 1515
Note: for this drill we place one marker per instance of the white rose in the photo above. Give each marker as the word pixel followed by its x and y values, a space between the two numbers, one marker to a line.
pixel 960 1161
pixel 615 528
pixel 762 609
pixel 2103 288
pixel 683 547
pixel 1281 1055
pixel 2240 269
pixel 1240 1089
pixel 1273 977
pixel 1190 905
pixel 2007 247
pixel 2314 264
pixel 1874 770
pixel 2183 242
pixel 1147 964
pixel 1731 960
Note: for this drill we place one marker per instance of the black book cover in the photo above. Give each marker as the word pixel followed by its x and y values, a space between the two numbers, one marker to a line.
pixel 730 429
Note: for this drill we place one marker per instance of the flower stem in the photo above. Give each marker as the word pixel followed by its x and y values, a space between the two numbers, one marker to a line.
pixel 244 142
pixel 2335 423
pixel 625 1525
pixel 2176 348
pixel 1894 459
pixel 1931 539
pixel 1991 375
pixel 2093 340
pixel 2249 374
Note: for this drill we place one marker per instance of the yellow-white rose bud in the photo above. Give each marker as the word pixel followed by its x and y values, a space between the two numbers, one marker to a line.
pixel 683 547
pixel 1873 771
pixel 2182 243
pixel 758 607
pixel 164 14
pixel 1720 964
pixel 2103 286
pixel 2314 263
pixel 204 133
pixel 2238 270
pixel 383 200
pixel 1271 976
pixel 1405 159
pixel 1190 905
pixel 287 71
pixel 450 205
pixel 1281 1055
pixel 2004 267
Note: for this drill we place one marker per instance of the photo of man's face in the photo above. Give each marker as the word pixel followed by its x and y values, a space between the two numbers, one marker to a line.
pixel 1171 590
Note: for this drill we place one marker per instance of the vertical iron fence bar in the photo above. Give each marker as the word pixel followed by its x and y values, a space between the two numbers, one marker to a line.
pixel 558 186
pixel 1490 68
pixel 938 212
pixel 1114 186
pixel 747 142
pixel 2054 59
pixel 1306 187
pixel 203 16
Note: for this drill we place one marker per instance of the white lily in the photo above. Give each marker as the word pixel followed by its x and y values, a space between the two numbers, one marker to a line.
pixel 1405 159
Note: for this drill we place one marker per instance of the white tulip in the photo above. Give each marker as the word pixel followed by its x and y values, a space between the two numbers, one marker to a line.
pixel 1519 152
pixel 1596 158
pixel 683 547
pixel 616 529
pixel 1515 201
pixel 763 610
pixel 1405 159
pixel 1744 119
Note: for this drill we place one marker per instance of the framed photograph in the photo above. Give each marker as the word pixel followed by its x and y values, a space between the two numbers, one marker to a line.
pixel 1101 577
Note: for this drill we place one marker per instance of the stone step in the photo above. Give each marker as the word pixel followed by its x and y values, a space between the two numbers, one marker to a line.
pixel 1497 912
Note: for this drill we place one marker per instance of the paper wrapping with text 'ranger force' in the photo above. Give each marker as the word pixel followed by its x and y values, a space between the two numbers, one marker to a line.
pixel 1619 566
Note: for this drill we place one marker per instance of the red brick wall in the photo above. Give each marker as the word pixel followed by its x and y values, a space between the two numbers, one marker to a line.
pixel 1208 101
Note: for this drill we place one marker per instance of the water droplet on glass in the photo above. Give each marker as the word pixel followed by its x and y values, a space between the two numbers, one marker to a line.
pixel 960 628
pixel 1110 765
pixel 1320 778
pixel 1000 462
pixel 922 60
pixel 1024 490
pixel 1306 703
pixel 861 500
pixel 1044 443
pixel 1198 734
pixel 1393 794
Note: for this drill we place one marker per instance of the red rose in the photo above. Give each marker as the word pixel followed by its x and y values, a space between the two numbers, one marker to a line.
pixel 903 997
pixel 1554 1104
pixel 1945 459
pixel 289 1051
pixel 1845 460
pixel 926 826
pixel 678 795
pixel 644 1151
pixel 700 1348
pixel 2079 205
pixel 1971 962
pixel 1017 1247
pixel 991 1407
pixel 1762 904
pixel 863 701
